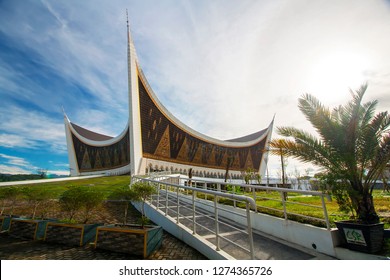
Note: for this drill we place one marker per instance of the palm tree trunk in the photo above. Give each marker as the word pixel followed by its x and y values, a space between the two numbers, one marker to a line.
pixel 365 209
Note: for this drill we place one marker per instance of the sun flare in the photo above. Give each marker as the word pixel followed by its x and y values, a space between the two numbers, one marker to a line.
pixel 333 74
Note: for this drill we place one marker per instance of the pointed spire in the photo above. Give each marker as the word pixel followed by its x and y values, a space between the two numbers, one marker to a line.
pixel 129 39
pixel 127 20
pixel 65 115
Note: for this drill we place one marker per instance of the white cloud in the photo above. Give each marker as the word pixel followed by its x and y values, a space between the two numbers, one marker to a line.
pixel 226 69
pixel 27 128
pixel 222 67
pixel 7 169
pixel 15 165
pixel 64 165
pixel 15 160
pixel 58 172
pixel 12 140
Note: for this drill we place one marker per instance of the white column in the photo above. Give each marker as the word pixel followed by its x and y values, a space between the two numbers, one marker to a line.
pixel 134 110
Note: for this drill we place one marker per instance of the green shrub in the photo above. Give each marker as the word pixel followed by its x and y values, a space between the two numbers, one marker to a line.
pixel 80 198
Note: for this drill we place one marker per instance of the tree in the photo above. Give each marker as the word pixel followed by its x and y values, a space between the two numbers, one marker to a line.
pixel 35 197
pixel 80 198
pixel 276 148
pixel 91 199
pixel 298 178
pixel 8 196
pixel 124 195
pixel 353 146
pixel 385 177
pixel 71 201
pixel 42 173
pixel 141 192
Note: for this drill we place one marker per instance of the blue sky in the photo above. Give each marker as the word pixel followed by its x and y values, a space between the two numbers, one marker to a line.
pixel 223 67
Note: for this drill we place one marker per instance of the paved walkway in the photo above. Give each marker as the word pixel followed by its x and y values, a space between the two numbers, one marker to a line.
pixel 12 248
pixel 21 249
pixel 233 238
pixel 172 248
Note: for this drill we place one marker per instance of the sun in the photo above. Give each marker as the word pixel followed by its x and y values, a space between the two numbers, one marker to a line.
pixel 332 75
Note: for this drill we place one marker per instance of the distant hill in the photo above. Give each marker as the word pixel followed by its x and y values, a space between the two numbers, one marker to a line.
pixel 23 177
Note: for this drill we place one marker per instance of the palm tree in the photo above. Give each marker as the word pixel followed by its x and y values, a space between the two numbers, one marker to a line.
pixel 353 145
pixel 276 148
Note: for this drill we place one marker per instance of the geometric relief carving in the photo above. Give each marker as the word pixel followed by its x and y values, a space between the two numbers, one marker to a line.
pixel 182 155
pixel 176 137
pixel 193 146
pixel 98 162
pixel 236 161
pixel 122 154
pixel 211 160
pixel 224 161
pixel 86 163
pixel 198 156
pixel 107 158
pixel 116 157
pixel 257 153
pixel 219 155
pixel 92 158
pixel 164 140
pixel 163 148
pixel 249 162
pixel 206 152
pixel 243 155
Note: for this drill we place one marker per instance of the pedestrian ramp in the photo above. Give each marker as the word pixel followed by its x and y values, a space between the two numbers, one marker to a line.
pixel 199 223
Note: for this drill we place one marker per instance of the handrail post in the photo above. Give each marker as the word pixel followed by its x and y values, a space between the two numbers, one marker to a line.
pixel 193 213
pixel 151 196
pixel 205 187
pixel 158 196
pixel 234 201
pixel 325 212
pixel 178 202
pixel 284 204
pixel 254 197
pixel 166 200
pixel 216 223
pixel 250 233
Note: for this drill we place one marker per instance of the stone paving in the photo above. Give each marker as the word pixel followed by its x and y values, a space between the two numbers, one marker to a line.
pixel 12 248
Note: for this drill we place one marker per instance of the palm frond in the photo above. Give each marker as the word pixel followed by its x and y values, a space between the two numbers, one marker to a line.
pixel 323 120
pixel 306 148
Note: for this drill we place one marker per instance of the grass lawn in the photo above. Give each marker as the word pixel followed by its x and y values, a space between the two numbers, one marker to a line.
pixel 104 184
pixel 273 200
pixel 265 199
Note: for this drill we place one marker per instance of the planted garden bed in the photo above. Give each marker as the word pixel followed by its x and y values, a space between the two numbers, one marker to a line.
pixel 70 234
pixel 130 239
pixel 5 222
pixel 27 228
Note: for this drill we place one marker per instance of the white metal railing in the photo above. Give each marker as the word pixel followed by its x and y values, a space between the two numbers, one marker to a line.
pixel 256 192
pixel 177 200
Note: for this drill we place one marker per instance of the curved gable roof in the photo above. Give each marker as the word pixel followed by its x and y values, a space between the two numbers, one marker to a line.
pixel 250 137
pixel 94 136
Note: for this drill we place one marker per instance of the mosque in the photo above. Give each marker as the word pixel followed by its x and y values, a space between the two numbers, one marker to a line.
pixel 155 140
